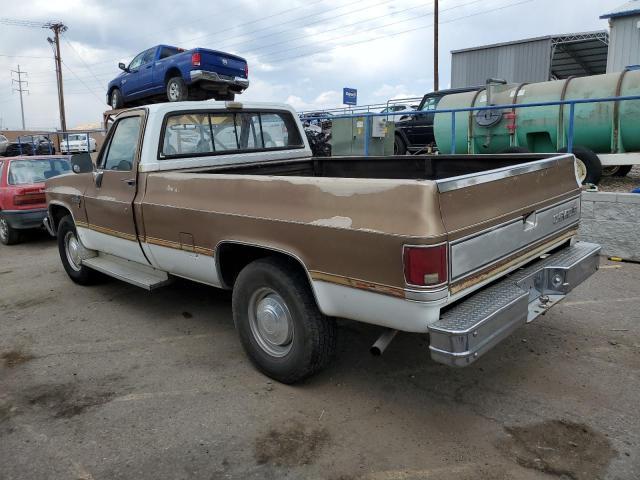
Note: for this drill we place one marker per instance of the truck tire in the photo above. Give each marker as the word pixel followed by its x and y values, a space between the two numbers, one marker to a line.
pixel 8 235
pixel 399 147
pixel 588 166
pixel 177 90
pixel 115 99
pixel 281 328
pixel 68 242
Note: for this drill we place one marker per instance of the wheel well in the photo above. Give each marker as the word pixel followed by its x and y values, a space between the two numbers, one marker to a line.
pixel 172 72
pixel 57 213
pixel 111 91
pixel 231 258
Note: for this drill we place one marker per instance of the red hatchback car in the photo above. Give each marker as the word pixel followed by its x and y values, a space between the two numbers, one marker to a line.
pixel 22 200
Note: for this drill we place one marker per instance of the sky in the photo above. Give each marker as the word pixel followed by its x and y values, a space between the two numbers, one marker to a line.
pixel 302 52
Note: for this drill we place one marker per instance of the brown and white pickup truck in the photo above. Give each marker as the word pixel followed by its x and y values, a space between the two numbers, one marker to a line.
pixel 464 248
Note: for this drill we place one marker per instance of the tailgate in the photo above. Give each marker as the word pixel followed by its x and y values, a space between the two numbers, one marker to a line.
pixel 222 63
pixel 497 218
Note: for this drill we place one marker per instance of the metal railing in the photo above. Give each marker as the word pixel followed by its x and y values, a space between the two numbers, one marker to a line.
pixel 452 111
pixel 364 108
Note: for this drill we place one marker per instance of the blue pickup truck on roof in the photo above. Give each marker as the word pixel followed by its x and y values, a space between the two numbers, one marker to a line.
pixel 174 74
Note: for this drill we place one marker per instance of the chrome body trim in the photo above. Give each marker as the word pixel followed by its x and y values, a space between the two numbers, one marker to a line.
pixel 477 324
pixel 473 253
pixel 199 75
pixel 463 181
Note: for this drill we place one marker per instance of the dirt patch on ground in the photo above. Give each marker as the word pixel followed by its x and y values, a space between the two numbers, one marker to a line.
pixel 290 445
pixel 68 400
pixel 13 358
pixel 560 448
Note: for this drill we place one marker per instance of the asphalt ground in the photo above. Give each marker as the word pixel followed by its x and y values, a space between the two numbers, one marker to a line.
pixel 111 381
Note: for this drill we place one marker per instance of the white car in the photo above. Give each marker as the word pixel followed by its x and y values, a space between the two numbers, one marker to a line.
pixel 3 144
pixel 77 143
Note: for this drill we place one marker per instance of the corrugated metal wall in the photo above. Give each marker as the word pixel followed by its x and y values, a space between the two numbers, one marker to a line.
pixel 624 43
pixel 519 62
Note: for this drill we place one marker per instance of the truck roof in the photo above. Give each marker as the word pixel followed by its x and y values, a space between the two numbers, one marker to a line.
pixel 167 107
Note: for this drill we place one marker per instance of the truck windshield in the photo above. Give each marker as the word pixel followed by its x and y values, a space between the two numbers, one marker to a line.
pixel 25 172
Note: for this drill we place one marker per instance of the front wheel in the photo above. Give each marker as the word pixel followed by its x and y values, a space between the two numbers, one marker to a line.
pixel 72 252
pixel 399 147
pixel 177 90
pixel 116 101
pixel 8 235
pixel 280 326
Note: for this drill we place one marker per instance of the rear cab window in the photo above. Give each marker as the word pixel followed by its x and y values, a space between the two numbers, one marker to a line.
pixel 211 133
pixel 25 172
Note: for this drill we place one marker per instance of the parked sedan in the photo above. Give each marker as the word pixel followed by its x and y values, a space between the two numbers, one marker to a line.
pixel 76 142
pixel 31 145
pixel 22 199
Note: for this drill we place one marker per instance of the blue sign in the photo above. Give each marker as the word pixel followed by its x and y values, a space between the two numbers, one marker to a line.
pixel 349 96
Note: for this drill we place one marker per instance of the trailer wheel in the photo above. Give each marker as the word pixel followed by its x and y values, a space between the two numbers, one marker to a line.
pixel 588 166
pixel 623 170
pixel 177 90
pixel 280 326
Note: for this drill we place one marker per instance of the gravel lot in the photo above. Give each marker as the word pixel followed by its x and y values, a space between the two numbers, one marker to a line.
pixel 621 184
pixel 114 382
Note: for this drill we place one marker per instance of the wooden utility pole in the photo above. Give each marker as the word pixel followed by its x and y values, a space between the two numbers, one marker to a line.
pixel 57 29
pixel 20 89
pixel 436 73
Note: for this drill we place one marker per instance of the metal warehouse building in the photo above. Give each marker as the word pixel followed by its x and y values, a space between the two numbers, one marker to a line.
pixel 624 47
pixel 532 60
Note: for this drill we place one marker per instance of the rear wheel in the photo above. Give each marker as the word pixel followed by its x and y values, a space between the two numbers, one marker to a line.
pixel 588 166
pixel 620 170
pixel 8 235
pixel 280 326
pixel 177 90
pixel 72 252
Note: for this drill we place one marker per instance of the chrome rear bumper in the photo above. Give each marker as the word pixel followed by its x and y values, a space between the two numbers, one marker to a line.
pixel 481 321
pixel 204 75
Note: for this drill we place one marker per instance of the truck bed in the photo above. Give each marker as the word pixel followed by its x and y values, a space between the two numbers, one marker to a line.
pixel 432 167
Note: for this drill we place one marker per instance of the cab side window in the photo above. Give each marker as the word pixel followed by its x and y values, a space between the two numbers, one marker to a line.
pixel 123 145
pixel 137 61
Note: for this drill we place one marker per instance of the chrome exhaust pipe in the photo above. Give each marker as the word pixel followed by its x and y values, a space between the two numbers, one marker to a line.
pixel 383 342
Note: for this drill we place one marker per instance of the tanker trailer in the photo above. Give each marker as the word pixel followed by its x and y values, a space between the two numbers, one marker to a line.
pixel 606 134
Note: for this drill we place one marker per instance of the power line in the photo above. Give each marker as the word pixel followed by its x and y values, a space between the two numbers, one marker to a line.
pixel 325 50
pixel 82 82
pixel 83 62
pixel 20 89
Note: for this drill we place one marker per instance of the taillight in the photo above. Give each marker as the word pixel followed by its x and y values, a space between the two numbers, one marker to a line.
pixel 195 59
pixel 425 266
pixel 246 70
pixel 29 199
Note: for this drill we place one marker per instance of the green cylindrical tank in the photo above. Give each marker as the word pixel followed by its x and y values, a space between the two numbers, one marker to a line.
pixel 609 127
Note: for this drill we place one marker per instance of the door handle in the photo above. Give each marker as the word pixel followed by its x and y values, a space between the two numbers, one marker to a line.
pixel 129 181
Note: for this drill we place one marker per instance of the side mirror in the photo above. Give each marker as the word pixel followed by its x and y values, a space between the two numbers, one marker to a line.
pixel 123 67
pixel 81 163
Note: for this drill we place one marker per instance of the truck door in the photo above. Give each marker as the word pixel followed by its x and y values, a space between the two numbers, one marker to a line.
pixel 145 72
pixel 131 83
pixel 421 131
pixel 109 198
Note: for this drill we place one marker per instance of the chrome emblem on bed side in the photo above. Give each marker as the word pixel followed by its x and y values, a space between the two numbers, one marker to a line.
pixel 562 215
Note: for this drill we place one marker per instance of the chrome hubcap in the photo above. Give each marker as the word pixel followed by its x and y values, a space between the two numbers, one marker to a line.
pixel 581 170
pixel 173 91
pixel 4 229
pixel 271 322
pixel 73 251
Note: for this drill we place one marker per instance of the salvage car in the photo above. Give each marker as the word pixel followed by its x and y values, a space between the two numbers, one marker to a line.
pixel 31 145
pixel 77 142
pixel 464 248
pixel 174 74
pixel 414 133
pixel 22 199
pixel 3 144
